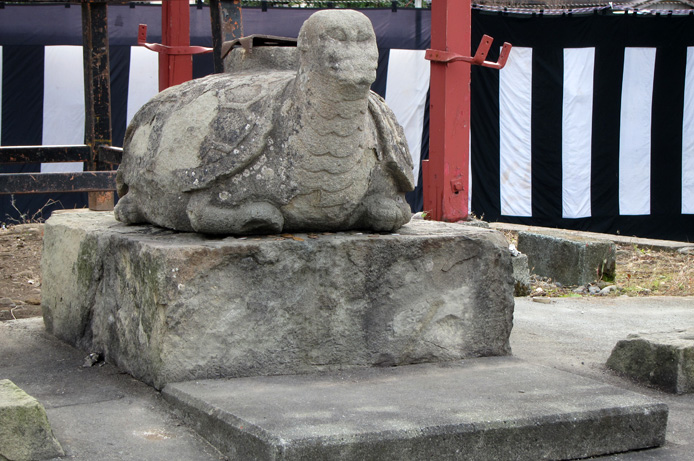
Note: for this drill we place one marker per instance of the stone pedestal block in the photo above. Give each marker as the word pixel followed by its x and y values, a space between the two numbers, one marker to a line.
pixel 169 306
pixel 25 433
pixel 664 360
pixel 568 259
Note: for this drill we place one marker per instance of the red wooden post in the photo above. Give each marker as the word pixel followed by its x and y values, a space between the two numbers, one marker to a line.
pixel 445 174
pixel 175 31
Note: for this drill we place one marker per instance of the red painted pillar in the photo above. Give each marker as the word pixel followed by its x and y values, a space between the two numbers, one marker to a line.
pixel 175 68
pixel 445 174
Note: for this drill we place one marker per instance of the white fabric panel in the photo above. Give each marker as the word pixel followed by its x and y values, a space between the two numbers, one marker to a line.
pixel 577 121
pixel 515 108
pixel 0 95
pixel 143 79
pixel 63 102
pixel 406 93
pixel 635 132
pixel 688 137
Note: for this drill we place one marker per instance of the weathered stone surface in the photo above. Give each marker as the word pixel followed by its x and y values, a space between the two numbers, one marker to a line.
pixel 25 433
pixel 169 306
pixel 568 259
pixel 259 151
pixel 496 408
pixel 521 275
pixel 665 360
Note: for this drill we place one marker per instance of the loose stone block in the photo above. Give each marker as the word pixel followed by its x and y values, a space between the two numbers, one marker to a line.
pixel 521 275
pixel 569 260
pixel 169 306
pixel 25 433
pixel 664 360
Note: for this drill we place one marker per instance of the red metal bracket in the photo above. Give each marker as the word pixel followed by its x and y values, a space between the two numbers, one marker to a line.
pixel 478 59
pixel 164 49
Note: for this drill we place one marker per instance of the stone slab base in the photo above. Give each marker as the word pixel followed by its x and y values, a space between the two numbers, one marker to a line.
pixel 664 360
pixel 169 307
pixel 25 433
pixel 479 409
pixel 568 259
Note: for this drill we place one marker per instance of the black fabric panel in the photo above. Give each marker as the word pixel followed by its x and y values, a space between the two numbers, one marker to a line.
pixel 50 25
pixel 666 130
pixel 379 85
pixel 484 124
pixel 119 57
pixel 546 129
pixel 484 139
pixel 203 64
pixel 22 95
pixel 607 97
pixel 22 118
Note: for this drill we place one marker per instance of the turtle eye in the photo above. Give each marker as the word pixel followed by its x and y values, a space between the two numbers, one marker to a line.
pixel 336 33
pixel 364 35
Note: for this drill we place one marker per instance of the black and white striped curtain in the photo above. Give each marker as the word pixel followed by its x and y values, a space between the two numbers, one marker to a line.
pixel 589 126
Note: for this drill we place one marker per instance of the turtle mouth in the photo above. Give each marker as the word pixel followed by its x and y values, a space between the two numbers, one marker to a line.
pixel 347 73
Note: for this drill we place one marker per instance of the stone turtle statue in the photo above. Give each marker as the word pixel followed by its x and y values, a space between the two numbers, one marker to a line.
pixel 255 152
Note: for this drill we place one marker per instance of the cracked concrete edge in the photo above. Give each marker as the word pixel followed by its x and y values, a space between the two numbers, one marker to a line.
pixel 666 245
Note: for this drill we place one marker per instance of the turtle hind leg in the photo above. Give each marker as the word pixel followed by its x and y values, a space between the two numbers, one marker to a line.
pixel 245 219
pixel 128 211
pixel 384 214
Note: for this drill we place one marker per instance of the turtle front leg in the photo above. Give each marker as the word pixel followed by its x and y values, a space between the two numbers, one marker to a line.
pixel 128 211
pixel 248 218
pixel 385 214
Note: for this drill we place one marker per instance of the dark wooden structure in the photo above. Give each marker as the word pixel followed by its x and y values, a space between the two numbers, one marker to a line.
pixel 99 156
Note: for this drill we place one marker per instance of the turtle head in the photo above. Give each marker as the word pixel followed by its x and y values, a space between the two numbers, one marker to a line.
pixel 337 49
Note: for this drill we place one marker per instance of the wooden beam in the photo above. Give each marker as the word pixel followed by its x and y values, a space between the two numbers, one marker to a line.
pixel 97 91
pixel 445 174
pixel 227 25
pixel 33 183
pixel 47 154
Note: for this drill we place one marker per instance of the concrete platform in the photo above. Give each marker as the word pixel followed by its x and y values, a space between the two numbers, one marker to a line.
pixel 490 408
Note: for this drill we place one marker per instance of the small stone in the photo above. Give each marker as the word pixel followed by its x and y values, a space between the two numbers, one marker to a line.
pixel 593 290
pixel 6 302
pixel 542 300
pixel 580 290
pixel 608 289
pixel 686 250
pixel 91 359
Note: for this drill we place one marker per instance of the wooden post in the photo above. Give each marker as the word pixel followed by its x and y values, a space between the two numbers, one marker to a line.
pixel 445 174
pixel 175 31
pixel 227 25
pixel 97 92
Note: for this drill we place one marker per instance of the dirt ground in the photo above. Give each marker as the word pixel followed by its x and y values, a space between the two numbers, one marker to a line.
pixel 640 272
pixel 20 271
